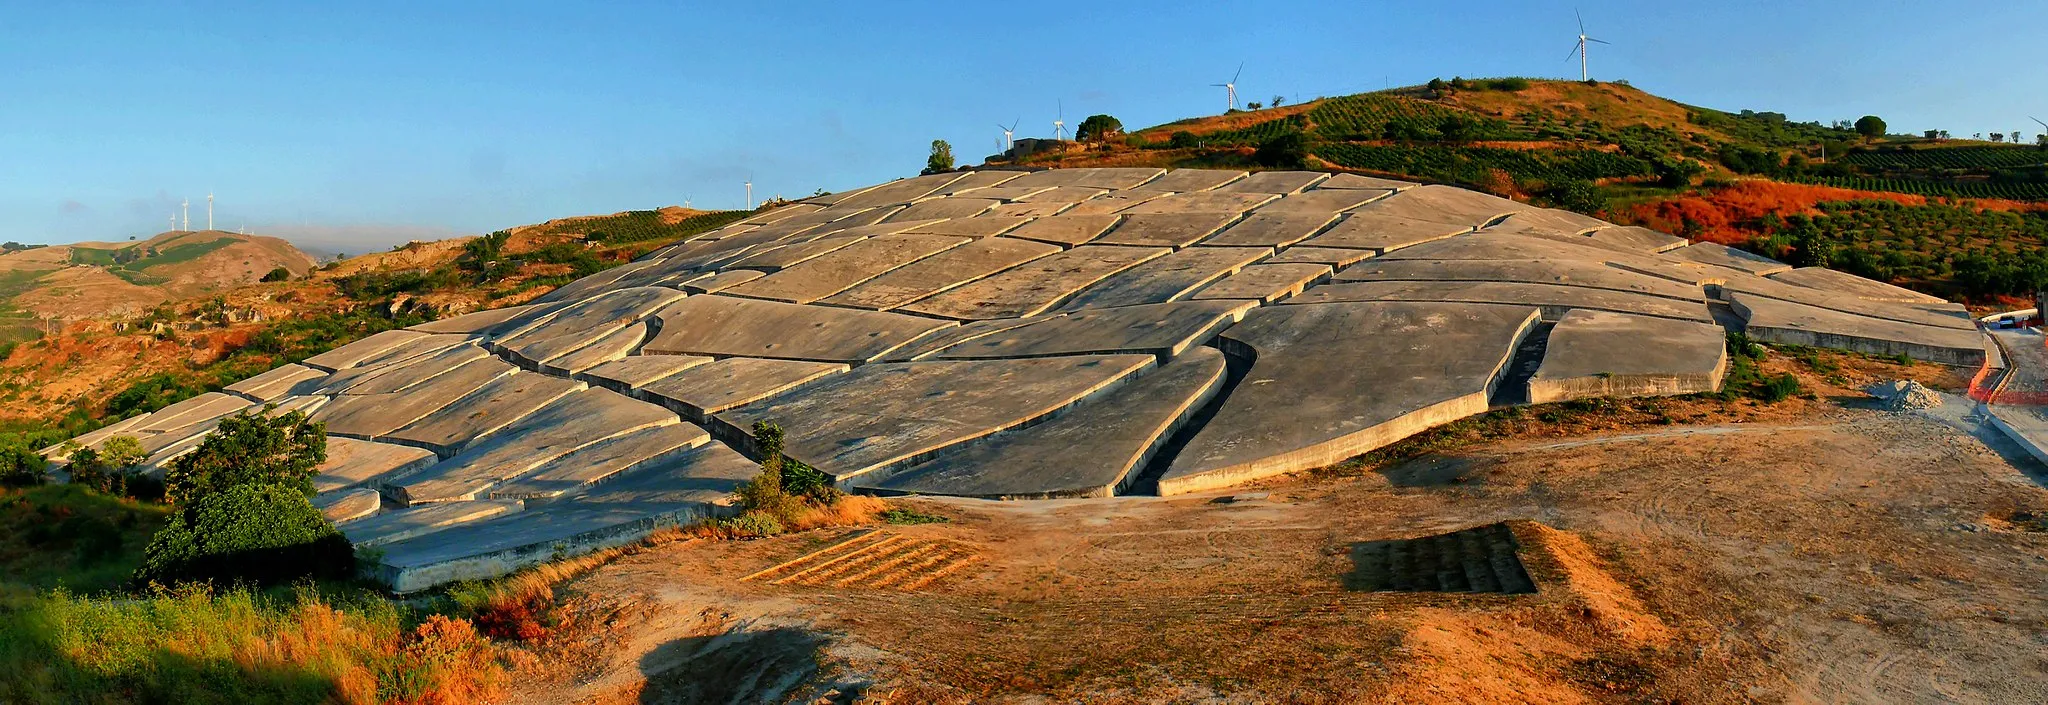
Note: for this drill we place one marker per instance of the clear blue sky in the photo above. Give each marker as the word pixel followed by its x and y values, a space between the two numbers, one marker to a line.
pixel 356 125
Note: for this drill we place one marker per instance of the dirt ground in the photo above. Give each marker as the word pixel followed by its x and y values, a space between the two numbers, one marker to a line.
pixel 1829 553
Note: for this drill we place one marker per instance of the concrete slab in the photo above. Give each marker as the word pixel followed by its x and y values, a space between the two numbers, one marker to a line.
pixel 615 345
pixel 1091 450
pixel 384 379
pixel 1775 321
pixel 1579 273
pixel 1331 381
pixel 1724 256
pixel 1264 229
pixel 492 406
pixel 1028 209
pixel 976 182
pixel 373 416
pixel 348 355
pixel 1114 202
pixel 1185 180
pixel 945 208
pixel 984 226
pixel 878 418
pixel 789 255
pixel 1036 286
pixel 601 461
pixel 1203 202
pixel 1275 182
pixel 578 325
pixel 1265 283
pixel 1065 230
pixel 1496 246
pixel 721 281
pixel 1336 257
pixel 1638 238
pixel 1355 181
pixel 900 191
pixel 412 522
pixel 700 391
pixel 276 383
pixel 1550 221
pixel 1601 354
pixel 1323 201
pixel 348 505
pixel 1102 178
pixel 480 322
pixel 201 409
pixel 1165 330
pixel 999 193
pixel 722 326
pixel 1168 278
pixel 1841 283
pixel 1555 300
pixel 1066 195
pixel 1166 229
pixel 1444 204
pixel 973 330
pixel 1941 315
pixel 355 463
pixel 780 214
pixel 554 430
pixel 632 373
pixel 940 272
pixel 628 274
pixel 307 404
pixel 1382 233
pixel 845 268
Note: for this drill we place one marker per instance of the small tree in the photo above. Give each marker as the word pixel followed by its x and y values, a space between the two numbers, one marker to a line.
pixel 941 159
pixel 1277 100
pixel 107 468
pixel 250 450
pixel 1254 105
pixel 277 275
pixel 1870 127
pixel 1932 134
pixel 1998 137
pixel 266 534
pixel 1288 150
pixel 20 466
pixel 1183 139
pixel 1098 128
pixel 1437 86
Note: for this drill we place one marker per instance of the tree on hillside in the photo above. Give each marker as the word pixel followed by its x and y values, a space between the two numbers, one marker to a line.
pixel 250 449
pixel 1289 150
pixel 1278 99
pixel 277 275
pixel 941 159
pixel 1254 105
pixel 1436 87
pixel 1932 134
pixel 1870 126
pixel 243 512
pixel 1098 128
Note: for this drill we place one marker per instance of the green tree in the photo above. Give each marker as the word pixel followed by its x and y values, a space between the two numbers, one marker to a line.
pixel 1870 126
pixel 1288 150
pixel 1277 100
pixel 250 449
pixel 277 275
pixel 21 466
pixel 1183 139
pixel 1098 128
pixel 261 533
pixel 941 159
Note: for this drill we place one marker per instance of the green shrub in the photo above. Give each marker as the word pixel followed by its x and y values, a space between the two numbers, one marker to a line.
pixel 261 533
pixel 22 467
pixel 250 450
pixel 1289 150
pixel 754 524
pixel 1777 389
pixel 278 275
pixel 909 516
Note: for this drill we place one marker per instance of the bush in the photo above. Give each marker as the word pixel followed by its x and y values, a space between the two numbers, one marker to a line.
pixel 1098 128
pixel 250 450
pixel 261 533
pixel 278 275
pixel 22 467
pixel 1183 139
pixel 108 468
pixel 1287 151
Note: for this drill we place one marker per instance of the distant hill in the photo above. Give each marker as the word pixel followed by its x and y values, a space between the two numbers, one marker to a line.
pixel 92 279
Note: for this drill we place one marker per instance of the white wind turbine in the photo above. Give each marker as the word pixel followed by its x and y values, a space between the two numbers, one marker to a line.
pixel 1230 88
pixel 186 207
pixel 1009 133
pixel 750 193
pixel 209 210
pixel 1059 125
pixel 2037 121
pixel 1580 49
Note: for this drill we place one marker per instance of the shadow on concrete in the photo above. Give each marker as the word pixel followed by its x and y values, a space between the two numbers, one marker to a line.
pixel 740 666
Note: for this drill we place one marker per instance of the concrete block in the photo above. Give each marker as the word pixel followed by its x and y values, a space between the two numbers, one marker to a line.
pixel 625 376
pixel 1264 229
pixel 1165 330
pixel 1265 283
pixel 1724 256
pixel 496 404
pixel 1774 321
pixel 1066 230
pixel 698 392
pixel 353 463
pixel 1601 354
pixel 276 383
pixel 845 268
pixel 940 272
pixel 1275 182
pixel 1168 278
pixel 551 431
pixel 1036 286
pixel 1553 299
pixel 721 326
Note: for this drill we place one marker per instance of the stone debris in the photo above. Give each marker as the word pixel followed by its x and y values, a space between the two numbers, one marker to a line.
pixel 1905 395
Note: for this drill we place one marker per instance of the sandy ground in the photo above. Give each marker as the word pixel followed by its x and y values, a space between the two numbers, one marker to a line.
pixel 1849 555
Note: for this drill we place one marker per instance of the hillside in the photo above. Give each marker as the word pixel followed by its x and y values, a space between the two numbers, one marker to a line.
pixel 94 279
pixel 1962 219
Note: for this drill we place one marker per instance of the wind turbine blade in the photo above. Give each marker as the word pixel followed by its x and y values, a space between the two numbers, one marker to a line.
pixel 1599 41
pixel 1574 52
pixel 2044 125
pixel 1220 85
pixel 1582 20
pixel 1240 72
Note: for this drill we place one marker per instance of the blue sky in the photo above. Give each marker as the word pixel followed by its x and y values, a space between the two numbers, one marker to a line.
pixel 356 125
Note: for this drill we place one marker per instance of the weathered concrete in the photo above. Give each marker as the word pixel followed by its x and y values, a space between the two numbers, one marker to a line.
pixel 790 255
pixel 601 461
pixel 275 384
pixel 1275 182
pixel 1444 204
pixel 1331 381
pixel 1102 178
pixel 1002 193
pixel 492 406
pixel 1166 229
pixel 894 192
pixel 413 522
pixel 945 208
pixel 1600 354
pixel 1090 450
pixel 551 431
pixel 1555 300
pixel 201 409
pixel 780 214
pixel 1940 315
pixel 1169 278
pixel 973 330
pixel 1027 208
pixel 1065 230
pixel 631 274
pixel 1725 256
pixel 615 345
pixel 1638 238
pixel 721 281
pixel 1266 283
pixel 348 505
pixel 1354 181
pixel 846 268
pixel 977 184
pixel 722 326
pixel 579 325
pixel 1378 233
pixel 1832 281
pixel 1323 201
pixel 1549 221
pixel 700 391
pixel 1264 229
pixel 373 416
pixel 1165 330
pixel 1185 180
pixel 1035 286
pixel 983 226
pixel 480 322
pixel 1495 245
pixel 1577 273
pixel 1063 195
pixel 1113 202
pixel 355 463
pixel 385 379
pixel 940 272
pixel 348 355
pixel 1775 321
pixel 1202 202
pixel 1337 257
pixel 632 373
pixel 878 418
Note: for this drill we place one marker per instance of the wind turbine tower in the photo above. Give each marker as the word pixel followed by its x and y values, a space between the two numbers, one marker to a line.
pixel 1059 124
pixel 209 210
pixel 186 207
pixel 1009 133
pixel 1230 88
pixel 750 193
pixel 1581 48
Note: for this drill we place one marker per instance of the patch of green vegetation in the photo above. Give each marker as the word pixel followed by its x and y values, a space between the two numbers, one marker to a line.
pixel 180 253
pixel 638 226
pixel 1746 380
pixel 73 537
pixel 1977 251
pixel 911 517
